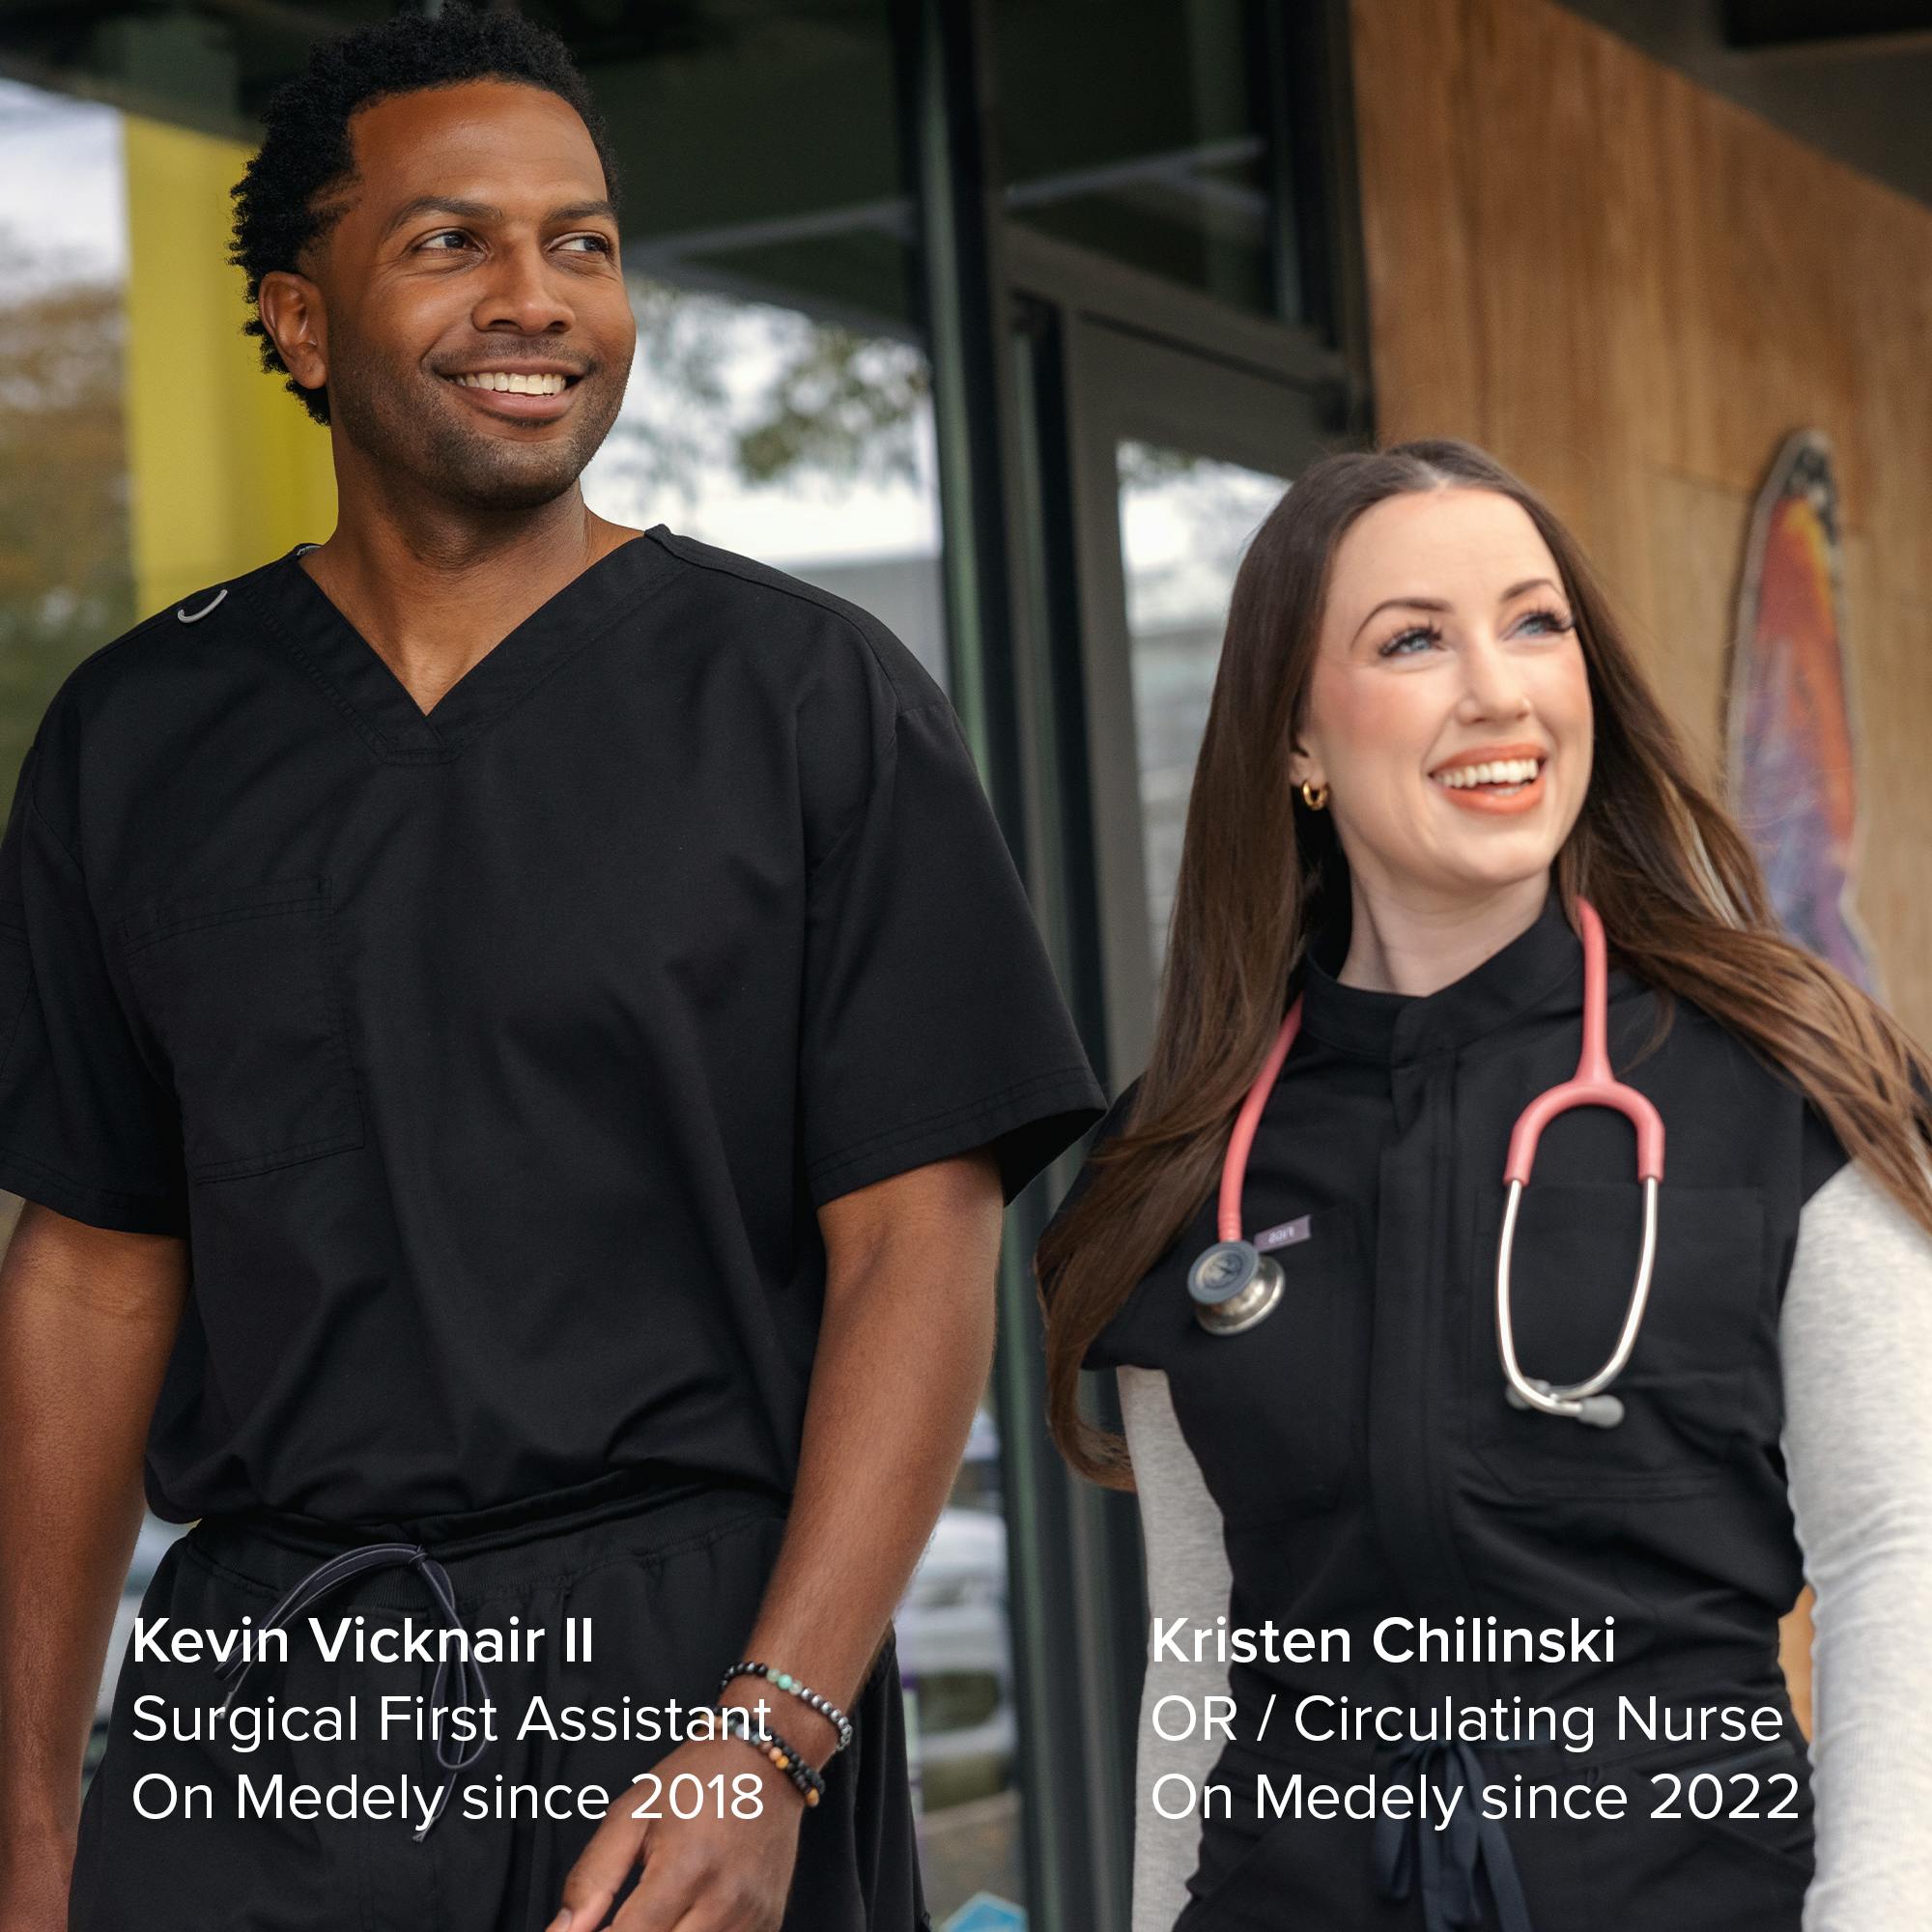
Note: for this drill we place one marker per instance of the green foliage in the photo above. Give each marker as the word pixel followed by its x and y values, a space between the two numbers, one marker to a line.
pixel 65 581
pixel 763 392
pixel 842 404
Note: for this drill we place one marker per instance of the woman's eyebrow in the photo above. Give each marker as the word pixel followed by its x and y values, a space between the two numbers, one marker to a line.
pixel 1439 604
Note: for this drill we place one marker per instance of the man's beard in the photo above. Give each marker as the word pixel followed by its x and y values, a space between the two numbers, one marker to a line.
pixel 459 462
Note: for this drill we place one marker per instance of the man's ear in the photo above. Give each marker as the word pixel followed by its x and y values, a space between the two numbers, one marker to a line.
pixel 292 311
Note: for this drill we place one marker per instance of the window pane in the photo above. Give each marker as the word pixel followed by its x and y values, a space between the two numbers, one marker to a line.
pixel 1135 127
pixel 1184 524
pixel 65 582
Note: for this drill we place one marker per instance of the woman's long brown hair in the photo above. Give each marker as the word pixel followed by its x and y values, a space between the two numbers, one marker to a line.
pixel 1682 897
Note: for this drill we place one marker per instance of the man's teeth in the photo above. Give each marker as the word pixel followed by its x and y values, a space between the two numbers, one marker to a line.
pixel 515 385
pixel 1502 771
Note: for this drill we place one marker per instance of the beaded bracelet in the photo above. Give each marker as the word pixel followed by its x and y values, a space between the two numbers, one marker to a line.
pixel 824 1706
pixel 810 1784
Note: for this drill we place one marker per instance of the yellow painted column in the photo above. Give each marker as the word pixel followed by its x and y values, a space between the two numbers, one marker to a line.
pixel 225 468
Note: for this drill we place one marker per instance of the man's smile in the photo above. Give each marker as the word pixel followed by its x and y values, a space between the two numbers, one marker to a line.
pixel 527 392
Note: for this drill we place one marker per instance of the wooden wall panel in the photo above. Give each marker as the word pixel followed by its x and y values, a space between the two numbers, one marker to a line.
pixel 1630 289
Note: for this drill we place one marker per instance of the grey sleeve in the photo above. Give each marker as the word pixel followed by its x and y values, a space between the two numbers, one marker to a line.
pixel 1855 1342
pixel 1187 1576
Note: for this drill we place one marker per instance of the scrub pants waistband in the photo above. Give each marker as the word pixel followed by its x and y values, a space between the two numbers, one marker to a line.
pixel 497 1550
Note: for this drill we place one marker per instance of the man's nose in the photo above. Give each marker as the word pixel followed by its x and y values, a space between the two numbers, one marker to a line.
pixel 524 293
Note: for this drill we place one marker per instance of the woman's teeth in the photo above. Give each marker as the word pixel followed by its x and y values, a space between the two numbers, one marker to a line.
pixel 1503 772
pixel 515 385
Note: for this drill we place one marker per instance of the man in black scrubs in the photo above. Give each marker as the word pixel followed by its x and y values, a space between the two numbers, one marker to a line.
pixel 518 1035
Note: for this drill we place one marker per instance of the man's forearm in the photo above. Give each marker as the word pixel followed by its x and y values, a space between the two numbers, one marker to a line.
pixel 85 1327
pixel 903 1358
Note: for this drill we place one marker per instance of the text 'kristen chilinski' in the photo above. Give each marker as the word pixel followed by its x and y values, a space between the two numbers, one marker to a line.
pixel 355 1639
pixel 1484 1639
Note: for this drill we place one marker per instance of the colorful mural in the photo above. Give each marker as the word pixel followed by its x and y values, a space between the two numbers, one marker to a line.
pixel 1790 742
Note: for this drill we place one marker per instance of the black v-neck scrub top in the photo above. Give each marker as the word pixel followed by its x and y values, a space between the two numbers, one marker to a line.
pixel 1361 1460
pixel 495 1061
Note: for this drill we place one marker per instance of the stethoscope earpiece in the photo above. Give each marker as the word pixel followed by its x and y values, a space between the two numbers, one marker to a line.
pixel 1234 1285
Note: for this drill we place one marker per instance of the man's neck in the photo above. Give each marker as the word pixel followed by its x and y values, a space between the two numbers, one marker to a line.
pixel 432 593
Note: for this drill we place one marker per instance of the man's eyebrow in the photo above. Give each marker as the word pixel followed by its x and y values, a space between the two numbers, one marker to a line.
pixel 483 211
pixel 1436 602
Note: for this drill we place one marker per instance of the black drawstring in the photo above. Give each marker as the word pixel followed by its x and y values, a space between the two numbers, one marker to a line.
pixel 338 1570
pixel 1445 1860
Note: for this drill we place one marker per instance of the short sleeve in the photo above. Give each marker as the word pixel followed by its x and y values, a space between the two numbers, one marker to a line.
pixel 1115 1346
pixel 932 1022
pixel 1127 1340
pixel 1820 1153
pixel 86 1129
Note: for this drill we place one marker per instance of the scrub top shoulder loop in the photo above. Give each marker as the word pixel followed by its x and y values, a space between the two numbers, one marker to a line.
pixel 184 616
pixel 187 617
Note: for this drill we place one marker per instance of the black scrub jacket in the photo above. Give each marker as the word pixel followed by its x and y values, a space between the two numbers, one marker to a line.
pixel 1365 1464
pixel 494 1062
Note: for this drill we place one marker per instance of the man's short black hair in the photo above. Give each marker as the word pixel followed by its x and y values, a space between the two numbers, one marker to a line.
pixel 284 200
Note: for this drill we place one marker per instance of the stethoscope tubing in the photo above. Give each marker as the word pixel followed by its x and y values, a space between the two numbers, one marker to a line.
pixel 1234 1285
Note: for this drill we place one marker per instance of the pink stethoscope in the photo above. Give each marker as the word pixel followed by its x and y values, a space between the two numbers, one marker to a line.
pixel 1233 1285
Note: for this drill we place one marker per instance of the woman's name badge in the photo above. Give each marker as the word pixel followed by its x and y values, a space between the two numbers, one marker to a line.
pixel 1284 1237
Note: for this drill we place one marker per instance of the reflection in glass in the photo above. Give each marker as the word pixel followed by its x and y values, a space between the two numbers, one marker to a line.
pixel 1184 524
pixel 65 579
pixel 1135 129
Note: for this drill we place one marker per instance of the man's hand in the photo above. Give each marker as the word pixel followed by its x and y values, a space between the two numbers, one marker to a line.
pixel 705 1873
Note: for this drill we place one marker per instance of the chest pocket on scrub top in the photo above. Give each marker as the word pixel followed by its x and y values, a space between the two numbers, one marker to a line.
pixel 243 991
pixel 1573 1265
pixel 1270 1412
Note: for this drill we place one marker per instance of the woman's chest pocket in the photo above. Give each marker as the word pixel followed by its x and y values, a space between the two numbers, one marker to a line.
pixel 1573 1266
pixel 1271 1412
pixel 243 991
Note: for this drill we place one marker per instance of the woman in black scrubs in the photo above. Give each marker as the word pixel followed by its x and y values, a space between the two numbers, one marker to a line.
pixel 1481 1663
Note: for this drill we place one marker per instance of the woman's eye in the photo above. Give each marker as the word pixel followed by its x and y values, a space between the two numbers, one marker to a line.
pixel 1554 623
pixel 1397 645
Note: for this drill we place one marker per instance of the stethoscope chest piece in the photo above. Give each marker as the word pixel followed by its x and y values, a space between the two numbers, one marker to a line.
pixel 1234 1285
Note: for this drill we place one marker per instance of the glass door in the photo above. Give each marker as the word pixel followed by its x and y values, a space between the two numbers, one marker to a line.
pixel 1175 457
pixel 1155 434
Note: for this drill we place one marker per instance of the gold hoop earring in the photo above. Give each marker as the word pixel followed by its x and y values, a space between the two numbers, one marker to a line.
pixel 1314 797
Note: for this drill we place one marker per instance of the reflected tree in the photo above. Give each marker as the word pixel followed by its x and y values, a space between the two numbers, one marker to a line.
pixel 762 393
pixel 66 576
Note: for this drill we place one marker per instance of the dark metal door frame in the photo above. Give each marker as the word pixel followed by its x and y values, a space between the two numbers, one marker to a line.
pixel 1039 351
pixel 1127 386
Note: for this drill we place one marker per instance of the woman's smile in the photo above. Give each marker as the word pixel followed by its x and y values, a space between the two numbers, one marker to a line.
pixel 1493 779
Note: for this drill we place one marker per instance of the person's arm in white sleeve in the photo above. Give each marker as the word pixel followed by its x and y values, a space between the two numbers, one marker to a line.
pixel 1856 1343
pixel 1187 1577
